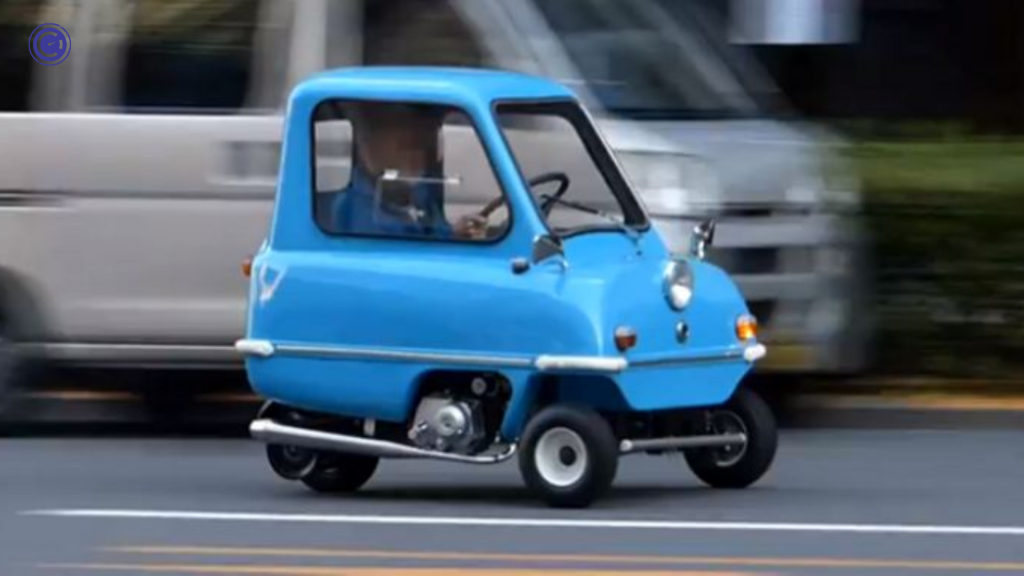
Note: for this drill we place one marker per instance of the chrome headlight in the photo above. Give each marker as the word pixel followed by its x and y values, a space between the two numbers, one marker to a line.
pixel 672 184
pixel 678 284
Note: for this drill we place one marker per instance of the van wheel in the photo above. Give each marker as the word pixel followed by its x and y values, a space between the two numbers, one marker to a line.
pixel 340 473
pixel 13 368
pixel 569 456
pixel 737 466
pixel 165 404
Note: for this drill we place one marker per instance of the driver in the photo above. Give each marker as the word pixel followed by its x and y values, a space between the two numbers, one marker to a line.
pixel 401 140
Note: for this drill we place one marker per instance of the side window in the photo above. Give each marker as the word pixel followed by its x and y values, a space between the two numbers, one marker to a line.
pixel 17 20
pixel 184 54
pixel 404 171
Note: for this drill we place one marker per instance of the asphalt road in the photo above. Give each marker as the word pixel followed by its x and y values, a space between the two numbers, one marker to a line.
pixel 837 502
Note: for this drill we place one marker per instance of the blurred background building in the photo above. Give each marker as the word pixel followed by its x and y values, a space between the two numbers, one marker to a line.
pixel 912 60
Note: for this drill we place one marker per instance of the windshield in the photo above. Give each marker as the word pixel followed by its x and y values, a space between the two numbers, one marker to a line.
pixel 572 177
pixel 655 59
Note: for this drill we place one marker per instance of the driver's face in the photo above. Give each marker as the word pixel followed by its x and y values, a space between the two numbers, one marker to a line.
pixel 395 141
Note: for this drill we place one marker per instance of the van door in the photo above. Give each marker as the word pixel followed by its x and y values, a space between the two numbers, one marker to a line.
pixel 167 173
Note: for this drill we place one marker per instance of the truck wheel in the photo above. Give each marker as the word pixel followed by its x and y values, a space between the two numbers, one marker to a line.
pixel 737 466
pixel 339 473
pixel 569 456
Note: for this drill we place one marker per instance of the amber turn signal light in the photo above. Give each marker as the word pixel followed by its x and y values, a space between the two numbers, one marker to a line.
pixel 247 267
pixel 746 327
pixel 625 338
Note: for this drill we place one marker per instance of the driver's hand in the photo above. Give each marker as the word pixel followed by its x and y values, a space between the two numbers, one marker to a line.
pixel 471 226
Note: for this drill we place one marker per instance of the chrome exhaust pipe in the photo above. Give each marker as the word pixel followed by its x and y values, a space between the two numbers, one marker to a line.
pixel 270 432
pixel 705 441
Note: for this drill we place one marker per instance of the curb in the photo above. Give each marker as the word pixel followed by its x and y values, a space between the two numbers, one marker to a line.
pixel 920 401
pixel 892 410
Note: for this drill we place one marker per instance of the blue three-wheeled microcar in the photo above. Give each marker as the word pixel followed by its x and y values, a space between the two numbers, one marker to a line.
pixel 458 269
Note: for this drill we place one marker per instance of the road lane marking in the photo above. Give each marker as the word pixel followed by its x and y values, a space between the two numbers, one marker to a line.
pixel 466 521
pixel 609 559
pixel 361 571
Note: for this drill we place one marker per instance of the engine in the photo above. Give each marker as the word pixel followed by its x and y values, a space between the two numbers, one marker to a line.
pixel 449 424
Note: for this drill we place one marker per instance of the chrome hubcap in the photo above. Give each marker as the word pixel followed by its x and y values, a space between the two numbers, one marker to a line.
pixel 561 457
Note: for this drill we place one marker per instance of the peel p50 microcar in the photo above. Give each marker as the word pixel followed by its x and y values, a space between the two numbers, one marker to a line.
pixel 438 283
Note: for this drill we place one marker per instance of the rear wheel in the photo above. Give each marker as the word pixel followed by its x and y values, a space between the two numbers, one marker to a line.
pixel 288 462
pixel 569 456
pixel 340 473
pixel 321 471
pixel 291 462
pixel 737 466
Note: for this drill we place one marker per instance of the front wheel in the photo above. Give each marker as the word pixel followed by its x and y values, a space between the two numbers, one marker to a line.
pixel 569 456
pixel 737 466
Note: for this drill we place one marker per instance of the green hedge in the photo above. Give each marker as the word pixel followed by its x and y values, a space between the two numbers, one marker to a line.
pixel 947 226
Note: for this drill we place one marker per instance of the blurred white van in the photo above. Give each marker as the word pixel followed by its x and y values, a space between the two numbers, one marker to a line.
pixel 137 175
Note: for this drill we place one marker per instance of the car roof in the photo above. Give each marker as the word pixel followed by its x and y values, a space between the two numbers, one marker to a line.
pixel 482 83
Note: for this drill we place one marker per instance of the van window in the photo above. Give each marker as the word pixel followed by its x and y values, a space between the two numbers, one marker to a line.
pixel 17 20
pixel 405 171
pixel 402 32
pixel 649 59
pixel 189 54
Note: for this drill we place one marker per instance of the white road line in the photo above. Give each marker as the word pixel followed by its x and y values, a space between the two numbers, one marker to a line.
pixel 608 524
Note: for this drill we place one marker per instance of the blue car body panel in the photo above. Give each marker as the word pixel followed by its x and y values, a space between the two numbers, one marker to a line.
pixel 351 325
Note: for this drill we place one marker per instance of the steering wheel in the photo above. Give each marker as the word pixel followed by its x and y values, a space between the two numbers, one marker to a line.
pixel 550 199
pixel 541 179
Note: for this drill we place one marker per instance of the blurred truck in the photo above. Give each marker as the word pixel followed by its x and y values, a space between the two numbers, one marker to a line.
pixel 136 175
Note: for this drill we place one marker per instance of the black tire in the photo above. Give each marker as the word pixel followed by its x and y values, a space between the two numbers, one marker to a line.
pixel 725 468
pixel 340 473
pixel 167 402
pixel 291 462
pixel 575 432
pixel 13 368
pixel 288 462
